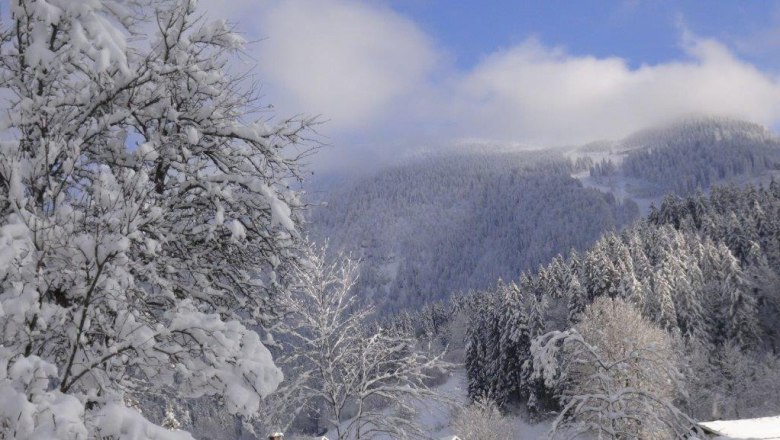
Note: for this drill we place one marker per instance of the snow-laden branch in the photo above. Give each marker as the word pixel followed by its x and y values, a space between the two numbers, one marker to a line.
pixel 147 228
pixel 616 374
pixel 366 377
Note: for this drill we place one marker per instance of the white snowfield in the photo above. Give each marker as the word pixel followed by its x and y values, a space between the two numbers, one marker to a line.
pixel 760 428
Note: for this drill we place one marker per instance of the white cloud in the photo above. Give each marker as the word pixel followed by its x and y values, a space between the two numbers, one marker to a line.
pixel 349 61
pixel 374 74
pixel 539 94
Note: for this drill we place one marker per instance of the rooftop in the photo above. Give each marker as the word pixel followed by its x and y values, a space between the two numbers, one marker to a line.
pixel 762 428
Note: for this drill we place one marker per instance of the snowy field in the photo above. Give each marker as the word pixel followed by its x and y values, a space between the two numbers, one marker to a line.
pixel 437 417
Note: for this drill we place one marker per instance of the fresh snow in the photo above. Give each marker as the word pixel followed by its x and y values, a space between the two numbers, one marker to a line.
pixel 436 416
pixel 760 428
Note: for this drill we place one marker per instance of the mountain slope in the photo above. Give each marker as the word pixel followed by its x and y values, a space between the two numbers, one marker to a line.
pixel 445 223
pixel 441 223
pixel 682 158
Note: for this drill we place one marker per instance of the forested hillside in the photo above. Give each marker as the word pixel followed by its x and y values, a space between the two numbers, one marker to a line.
pixel 446 223
pixel 704 270
pixel 169 272
pixel 690 155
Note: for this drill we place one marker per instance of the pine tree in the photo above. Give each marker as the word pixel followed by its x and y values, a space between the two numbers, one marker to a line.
pixel 686 283
pixel 576 298
pixel 514 346
pixel 540 397
pixel 559 276
pixel 738 237
pixel 601 276
pixel 666 315
pixel 641 263
pixel 483 349
pixel 742 323
pixel 476 370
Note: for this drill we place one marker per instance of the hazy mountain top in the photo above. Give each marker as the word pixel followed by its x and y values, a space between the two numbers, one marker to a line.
pixel 699 130
pixel 684 157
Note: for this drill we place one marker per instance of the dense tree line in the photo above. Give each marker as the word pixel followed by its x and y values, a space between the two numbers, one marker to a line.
pixel 747 221
pixel 456 222
pixel 704 269
pixel 697 154
pixel 606 168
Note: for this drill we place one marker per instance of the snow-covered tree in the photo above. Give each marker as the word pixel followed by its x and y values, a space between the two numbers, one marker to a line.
pixel 146 225
pixel 728 383
pixel 697 153
pixel 679 273
pixel 618 376
pixel 577 297
pixel 483 420
pixel 513 344
pixel 483 348
pixel 367 378
pixel 666 313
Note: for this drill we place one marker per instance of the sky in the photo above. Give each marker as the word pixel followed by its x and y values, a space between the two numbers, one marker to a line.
pixel 390 76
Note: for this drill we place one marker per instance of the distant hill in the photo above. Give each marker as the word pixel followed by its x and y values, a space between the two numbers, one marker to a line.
pixel 703 130
pixel 687 156
pixel 438 223
pixel 450 222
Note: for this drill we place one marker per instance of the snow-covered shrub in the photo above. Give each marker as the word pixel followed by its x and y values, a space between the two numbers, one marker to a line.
pixel 484 421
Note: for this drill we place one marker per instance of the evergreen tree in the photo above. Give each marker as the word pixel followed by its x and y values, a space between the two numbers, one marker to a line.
pixel 514 346
pixel 742 324
pixel 666 315
pixel 577 298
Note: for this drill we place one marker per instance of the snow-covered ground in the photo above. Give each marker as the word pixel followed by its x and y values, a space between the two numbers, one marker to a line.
pixel 436 417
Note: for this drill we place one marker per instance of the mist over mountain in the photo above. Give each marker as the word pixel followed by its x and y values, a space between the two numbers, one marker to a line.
pixel 687 156
pixel 443 222
pixel 381 220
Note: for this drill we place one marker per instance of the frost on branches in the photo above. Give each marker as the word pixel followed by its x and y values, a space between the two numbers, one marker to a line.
pixel 146 231
pixel 364 380
pixel 617 374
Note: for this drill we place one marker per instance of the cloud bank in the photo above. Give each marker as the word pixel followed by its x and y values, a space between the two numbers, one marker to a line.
pixel 540 94
pixel 379 79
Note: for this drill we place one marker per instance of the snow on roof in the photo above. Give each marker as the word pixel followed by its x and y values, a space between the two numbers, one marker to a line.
pixel 761 428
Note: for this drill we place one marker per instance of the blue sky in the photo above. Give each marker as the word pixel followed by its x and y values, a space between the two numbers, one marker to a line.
pixel 387 76
pixel 638 31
